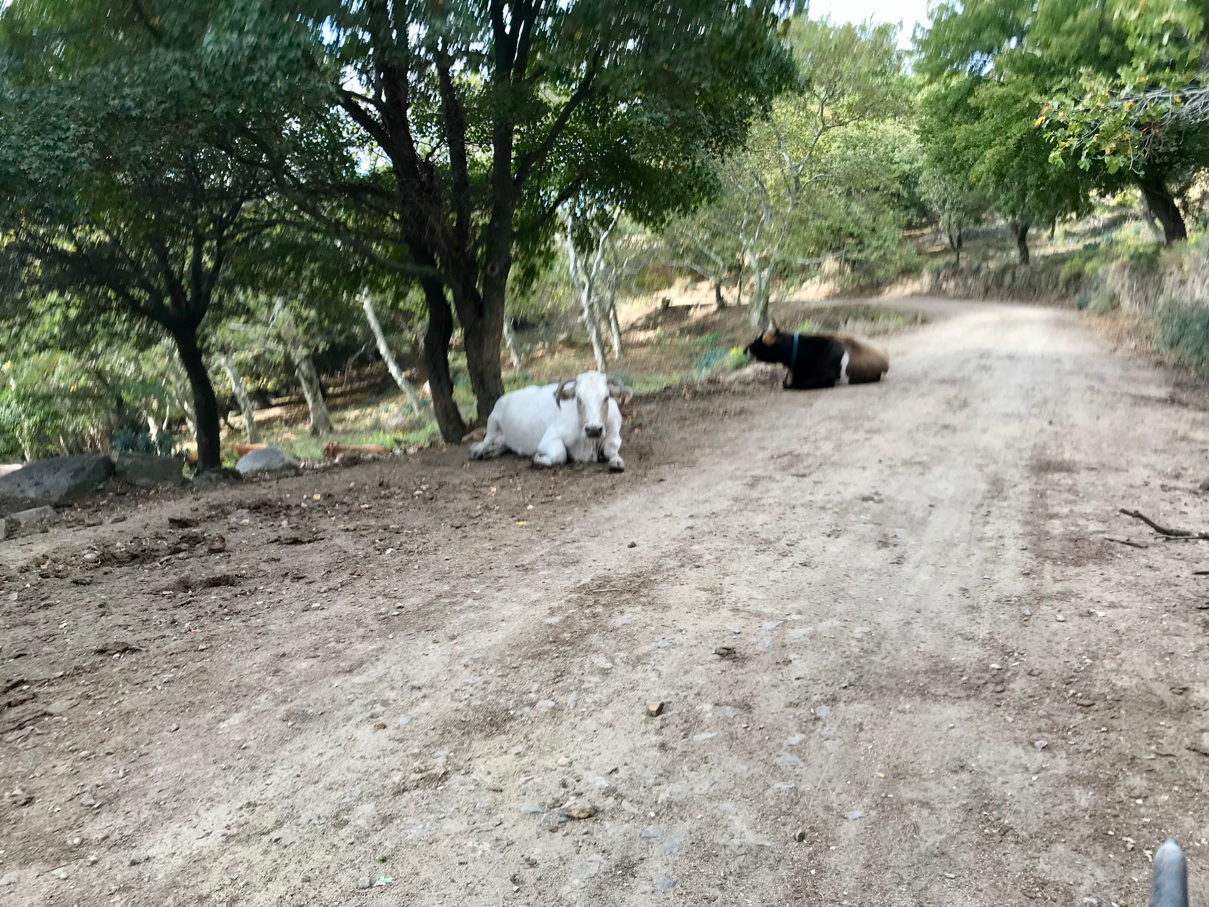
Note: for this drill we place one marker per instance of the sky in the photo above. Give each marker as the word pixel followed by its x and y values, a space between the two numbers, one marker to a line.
pixel 908 12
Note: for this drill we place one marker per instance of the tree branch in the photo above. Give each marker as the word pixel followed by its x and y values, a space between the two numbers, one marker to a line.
pixel 538 155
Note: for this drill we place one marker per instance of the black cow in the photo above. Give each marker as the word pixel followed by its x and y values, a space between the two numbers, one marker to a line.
pixel 819 360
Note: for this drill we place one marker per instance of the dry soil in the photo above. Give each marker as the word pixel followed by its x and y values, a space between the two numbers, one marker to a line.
pixel 899 661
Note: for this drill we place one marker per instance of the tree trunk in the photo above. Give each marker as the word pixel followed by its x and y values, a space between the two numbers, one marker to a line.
pixel 757 315
pixel 482 334
pixel 1021 231
pixel 205 405
pixel 719 299
pixel 582 284
pixel 436 362
pixel 304 368
pixel 387 357
pixel 1162 205
pixel 241 397
pixel 592 325
pixel 608 302
pixel 510 341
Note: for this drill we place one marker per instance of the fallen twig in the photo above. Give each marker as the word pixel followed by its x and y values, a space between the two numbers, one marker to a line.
pixel 1129 542
pixel 1163 530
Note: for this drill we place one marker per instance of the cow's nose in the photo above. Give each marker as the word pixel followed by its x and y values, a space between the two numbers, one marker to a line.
pixel 593 431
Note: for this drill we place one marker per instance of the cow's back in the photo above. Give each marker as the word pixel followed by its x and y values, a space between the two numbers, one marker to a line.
pixel 866 362
pixel 524 415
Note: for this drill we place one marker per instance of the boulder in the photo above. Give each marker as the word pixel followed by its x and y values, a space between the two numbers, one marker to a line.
pixel 36 516
pixel 215 478
pixel 270 460
pixel 53 481
pixel 145 470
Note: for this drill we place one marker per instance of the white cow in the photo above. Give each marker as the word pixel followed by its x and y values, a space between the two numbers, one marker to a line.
pixel 576 420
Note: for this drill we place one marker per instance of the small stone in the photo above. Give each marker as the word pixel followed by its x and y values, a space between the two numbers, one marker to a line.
pixel 1028 613
pixel 530 810
pixel 654 709
pixel 788 760
pixel 379 725
pixel 664 883
pixel 563 761
pixel 1040 744
pixel 1060 618
pixel 632 545
pixel 725 651
pixel 856 814
pixel 653 831
pixel 822 711
pixel 377 711
pixel 60 873
pixel 216 545
pixel 705 736
pixel 88 801
pixel 579 809
pixel 545 704
pixel 795 739
pixel 306 877
pixel 365 882
pixel 799 836
pixel 139 859
pixel 174 728
pixel 404 721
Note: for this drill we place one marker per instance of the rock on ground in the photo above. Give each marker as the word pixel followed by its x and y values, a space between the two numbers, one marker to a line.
pixel 267 461
pixel 36 516
pixel 215 478
pixel 145 470
pixel 53 481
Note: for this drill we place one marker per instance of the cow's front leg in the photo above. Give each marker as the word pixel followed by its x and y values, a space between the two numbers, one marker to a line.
pixel 609 451
pixel 550 452
pixel 493 443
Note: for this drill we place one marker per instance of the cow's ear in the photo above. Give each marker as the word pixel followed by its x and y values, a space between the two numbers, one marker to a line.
pixel 620 392
pixel 770 336
pixel 565 390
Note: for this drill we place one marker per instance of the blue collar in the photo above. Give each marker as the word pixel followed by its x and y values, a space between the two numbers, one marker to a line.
pixel 794 358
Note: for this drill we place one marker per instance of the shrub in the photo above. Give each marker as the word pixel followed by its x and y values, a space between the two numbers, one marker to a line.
pixel 140 442
pixel 1183 331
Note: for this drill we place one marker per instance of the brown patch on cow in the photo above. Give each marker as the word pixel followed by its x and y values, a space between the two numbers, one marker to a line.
pixel 866 362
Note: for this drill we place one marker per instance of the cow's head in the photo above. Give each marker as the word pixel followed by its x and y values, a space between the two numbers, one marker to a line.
pixel 591 392
pixel 764 347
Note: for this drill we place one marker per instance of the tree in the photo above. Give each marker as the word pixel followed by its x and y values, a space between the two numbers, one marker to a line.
pixel 1003 66
pixel 1149 118
pixel 127 182
pixel 800 161
pixel 388 357
pixel 241 397
pixel 593 274
pixel 987 64
pixel 488 116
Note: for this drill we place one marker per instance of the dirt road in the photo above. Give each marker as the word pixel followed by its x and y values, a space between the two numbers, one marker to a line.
pixel 899 662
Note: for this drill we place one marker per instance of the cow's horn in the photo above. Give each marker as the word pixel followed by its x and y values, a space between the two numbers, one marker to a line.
pixel 558 391
pixel 619 391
